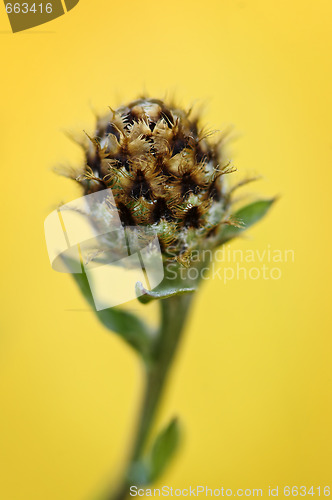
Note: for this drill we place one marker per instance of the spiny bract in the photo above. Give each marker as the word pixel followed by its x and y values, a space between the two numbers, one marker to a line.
pixel 164 172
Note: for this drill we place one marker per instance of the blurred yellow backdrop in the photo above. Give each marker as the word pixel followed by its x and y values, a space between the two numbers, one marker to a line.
pixel 252 382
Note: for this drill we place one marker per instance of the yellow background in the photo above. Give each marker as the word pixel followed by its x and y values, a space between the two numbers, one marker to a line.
pixel 252 383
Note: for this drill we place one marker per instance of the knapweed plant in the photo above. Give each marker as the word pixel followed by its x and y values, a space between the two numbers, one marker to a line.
pixel 166 173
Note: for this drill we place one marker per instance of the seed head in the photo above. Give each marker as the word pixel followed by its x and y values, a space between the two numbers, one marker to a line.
pixel 164 172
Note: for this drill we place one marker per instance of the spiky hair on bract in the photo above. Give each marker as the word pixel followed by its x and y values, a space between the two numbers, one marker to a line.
pixel 164 172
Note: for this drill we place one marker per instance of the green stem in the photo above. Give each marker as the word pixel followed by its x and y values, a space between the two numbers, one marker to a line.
pixel 174 311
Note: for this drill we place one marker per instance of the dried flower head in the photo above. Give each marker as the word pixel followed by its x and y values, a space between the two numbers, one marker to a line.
pixel 164 172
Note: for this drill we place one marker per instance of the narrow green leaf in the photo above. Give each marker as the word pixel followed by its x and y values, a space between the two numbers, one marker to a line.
pixel 248 216
pixel 177 281
pixel 163 449
pixel 163 292
pixel 149 468
pixel 128 326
